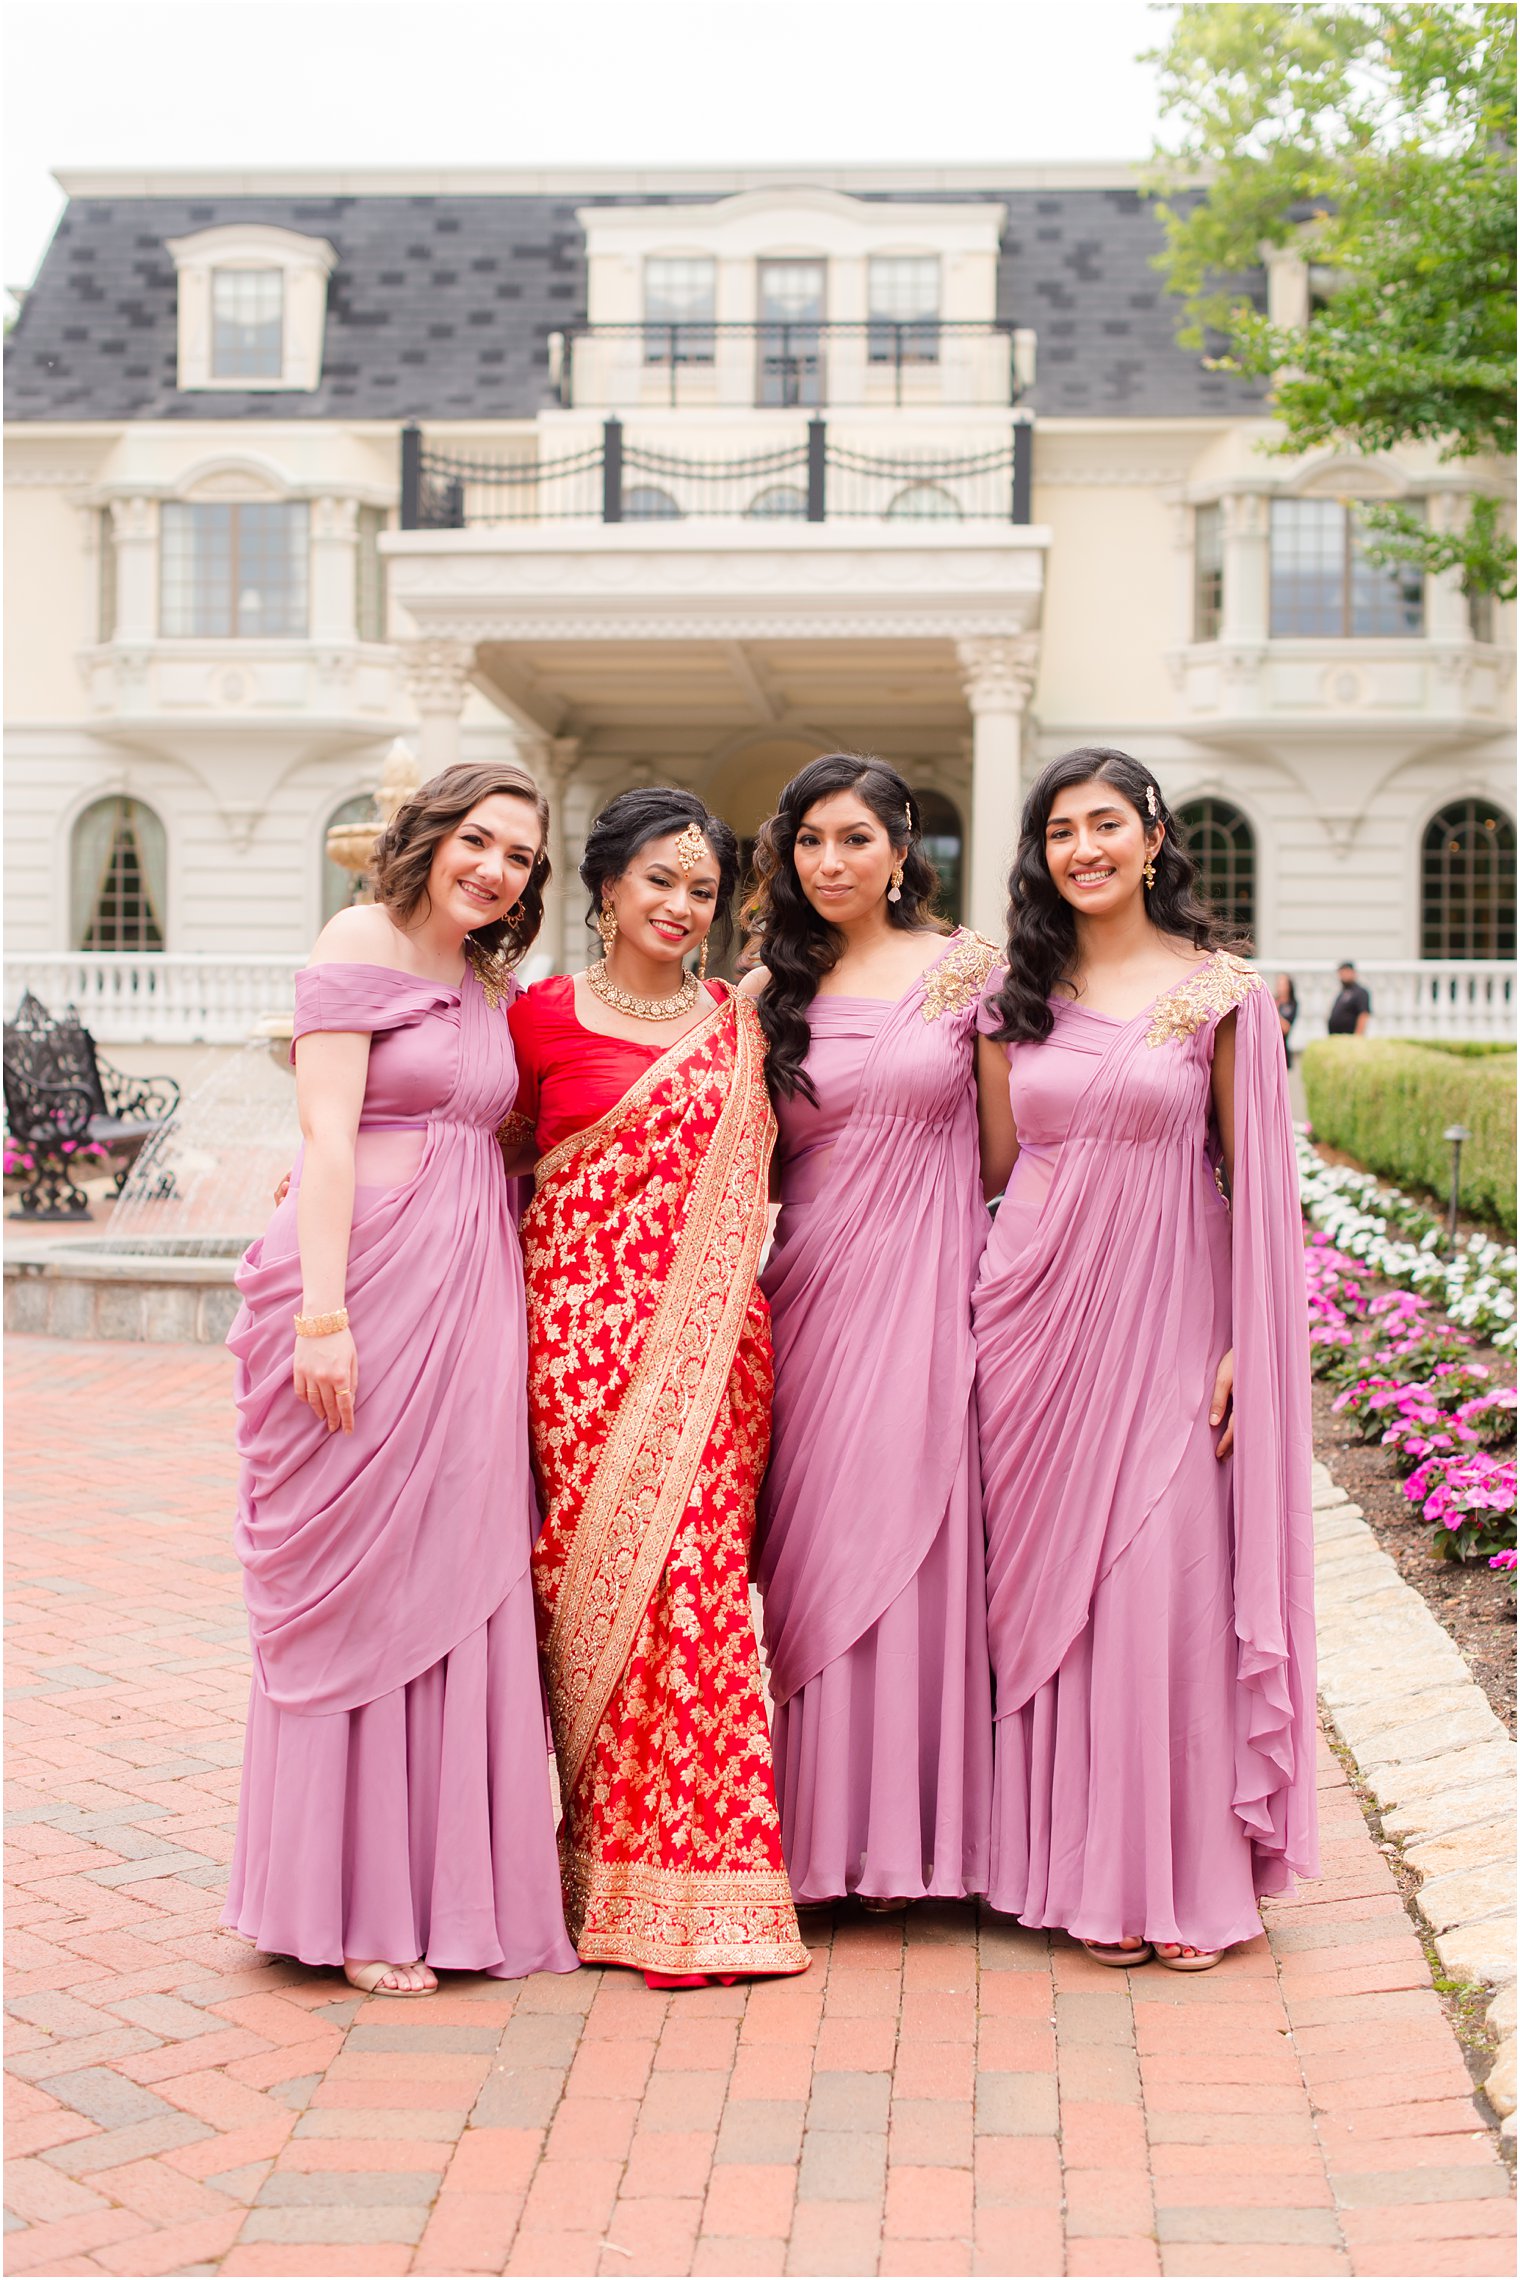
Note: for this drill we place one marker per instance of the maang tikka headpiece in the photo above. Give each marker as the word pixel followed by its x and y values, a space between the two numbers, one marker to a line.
pixel 691 846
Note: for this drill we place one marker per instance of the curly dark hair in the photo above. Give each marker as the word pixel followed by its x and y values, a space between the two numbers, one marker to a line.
pixel 799 947
pixel 654 811
pixel 405 849
pixel 1042 928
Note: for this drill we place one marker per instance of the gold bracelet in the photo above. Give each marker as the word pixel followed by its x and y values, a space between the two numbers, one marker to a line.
pixel 321 1325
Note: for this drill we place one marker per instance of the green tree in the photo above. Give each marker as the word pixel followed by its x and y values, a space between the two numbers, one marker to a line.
pixel 1380 138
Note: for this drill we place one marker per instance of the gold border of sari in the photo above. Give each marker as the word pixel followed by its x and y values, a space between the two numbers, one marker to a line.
pixel 650 1460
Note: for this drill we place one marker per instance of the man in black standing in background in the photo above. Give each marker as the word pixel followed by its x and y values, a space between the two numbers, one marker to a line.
pixel 1352 1009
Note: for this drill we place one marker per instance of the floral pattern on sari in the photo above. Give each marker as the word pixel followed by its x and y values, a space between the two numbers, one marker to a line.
pixel 649 1398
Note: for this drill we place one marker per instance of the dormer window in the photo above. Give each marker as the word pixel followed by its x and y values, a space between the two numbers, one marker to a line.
pixel 252 307
pixel 247 324
pixel 904 308
pixel 680 302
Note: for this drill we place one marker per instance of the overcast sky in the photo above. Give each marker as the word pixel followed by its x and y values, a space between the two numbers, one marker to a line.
pixel 166 83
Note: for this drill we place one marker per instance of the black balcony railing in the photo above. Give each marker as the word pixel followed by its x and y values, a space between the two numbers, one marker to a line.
pixel 810 477
pixel 804 363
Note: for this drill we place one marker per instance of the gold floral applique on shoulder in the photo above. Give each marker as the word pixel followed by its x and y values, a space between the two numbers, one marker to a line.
pixel 1216 989
pixel 493 974
pixel 960 976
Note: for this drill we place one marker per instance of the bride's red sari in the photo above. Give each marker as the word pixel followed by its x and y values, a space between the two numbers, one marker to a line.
pixel 649 1381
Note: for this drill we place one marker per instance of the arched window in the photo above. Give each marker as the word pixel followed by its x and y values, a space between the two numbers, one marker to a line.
pixel 118 876
pixel 1467 884
pixel 783 500
pixel 1223 846
pixel 646 502
pixel 944 843
pixel 924 502
pixel 339 886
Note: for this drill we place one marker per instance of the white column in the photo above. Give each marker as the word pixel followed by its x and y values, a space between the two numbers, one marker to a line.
pixel 334 569
pixel 578 803
pixel 552 761
pixel 135 524
pixel 438 674
pixel 998 672
pixel 1447 617
pixel 1247 560
pixel 1287 270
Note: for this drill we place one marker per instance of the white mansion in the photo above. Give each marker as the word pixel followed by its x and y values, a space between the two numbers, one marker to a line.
pixel 690 476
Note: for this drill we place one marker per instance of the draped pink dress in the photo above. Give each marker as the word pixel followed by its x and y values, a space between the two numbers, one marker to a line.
pixel 1150 1609
pixel 396 1799
pixel 869 1545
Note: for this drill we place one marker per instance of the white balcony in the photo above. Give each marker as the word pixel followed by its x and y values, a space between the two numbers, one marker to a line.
pixel 1416 997
pixel 734 367
pixel 242 688
pixel 182 999
pixel 1330 687
pixel 164 999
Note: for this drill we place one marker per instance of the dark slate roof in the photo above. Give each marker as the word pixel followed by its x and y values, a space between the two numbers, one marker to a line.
pixel 441 307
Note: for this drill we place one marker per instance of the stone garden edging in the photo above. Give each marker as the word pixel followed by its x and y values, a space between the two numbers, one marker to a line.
pixel 1437 1762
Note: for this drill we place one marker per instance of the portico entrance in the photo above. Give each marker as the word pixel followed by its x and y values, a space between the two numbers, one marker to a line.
pixel 725 658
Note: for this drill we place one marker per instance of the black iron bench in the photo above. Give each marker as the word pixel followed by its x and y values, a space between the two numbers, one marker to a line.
pixel 63 1098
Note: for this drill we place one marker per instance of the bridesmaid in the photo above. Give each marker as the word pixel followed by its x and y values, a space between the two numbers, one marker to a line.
pixel 395 1802
pixel 869 1549
pixel 1143 1392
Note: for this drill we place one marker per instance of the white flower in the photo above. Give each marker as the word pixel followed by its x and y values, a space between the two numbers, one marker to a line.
pixel 1476 1286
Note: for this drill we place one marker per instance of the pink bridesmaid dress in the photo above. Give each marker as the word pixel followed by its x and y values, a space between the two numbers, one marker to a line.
pixel 396 1799
pixel 869 1549
pixel 1150 1607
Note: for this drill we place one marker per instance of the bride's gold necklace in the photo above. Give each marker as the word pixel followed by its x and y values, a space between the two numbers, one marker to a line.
pixel 680 1001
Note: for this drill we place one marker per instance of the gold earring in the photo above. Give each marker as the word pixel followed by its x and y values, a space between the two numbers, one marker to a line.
pixel 516 914
pixel 1149 873
pixel 702 962
pixel 894 891
pixel 606 926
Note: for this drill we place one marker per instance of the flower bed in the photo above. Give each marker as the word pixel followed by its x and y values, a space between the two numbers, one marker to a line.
pixel 1406 1371
pixel 1381 1228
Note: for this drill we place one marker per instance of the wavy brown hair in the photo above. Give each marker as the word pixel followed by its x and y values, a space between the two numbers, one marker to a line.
pixel 405 849
pixel 1042 926
pixel 798 946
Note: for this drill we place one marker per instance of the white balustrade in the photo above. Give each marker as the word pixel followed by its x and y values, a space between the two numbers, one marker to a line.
pixel 1414 997
pixel 177 998
pixel 171 998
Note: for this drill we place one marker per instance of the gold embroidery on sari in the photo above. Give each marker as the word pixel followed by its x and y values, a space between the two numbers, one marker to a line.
pixel 670 1847
pixel 960 976
pixel 1215 990
pixel 639 1487
pixel 677 1920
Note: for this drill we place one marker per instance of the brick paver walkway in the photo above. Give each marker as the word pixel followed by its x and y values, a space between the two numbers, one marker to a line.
pixel 955 2097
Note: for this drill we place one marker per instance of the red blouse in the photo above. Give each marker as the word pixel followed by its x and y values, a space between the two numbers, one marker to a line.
pixel 568 1075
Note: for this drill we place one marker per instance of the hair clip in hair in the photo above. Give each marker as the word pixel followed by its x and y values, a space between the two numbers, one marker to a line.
pixel 908 813
pixel 1150 802
pixel 691 846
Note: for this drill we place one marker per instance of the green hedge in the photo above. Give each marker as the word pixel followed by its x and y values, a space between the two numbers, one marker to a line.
pixel 1387 1102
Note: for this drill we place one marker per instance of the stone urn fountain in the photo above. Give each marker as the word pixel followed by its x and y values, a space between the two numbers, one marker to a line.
pixel 352 845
